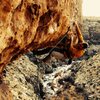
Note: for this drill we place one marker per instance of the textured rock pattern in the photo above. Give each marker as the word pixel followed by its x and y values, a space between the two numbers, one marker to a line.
pixel 5 93
pixel 79 81
pixel 33 24
pixel 20 77
pixel 89 75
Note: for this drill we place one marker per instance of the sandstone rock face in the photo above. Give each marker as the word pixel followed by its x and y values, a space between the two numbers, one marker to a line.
pixel 5 93
pixel 33 24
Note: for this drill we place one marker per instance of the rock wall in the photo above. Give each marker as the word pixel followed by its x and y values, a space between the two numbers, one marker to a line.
pixel 33 24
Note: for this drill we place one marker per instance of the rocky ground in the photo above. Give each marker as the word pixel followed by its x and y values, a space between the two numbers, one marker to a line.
pixel 18 75
pixel 33 80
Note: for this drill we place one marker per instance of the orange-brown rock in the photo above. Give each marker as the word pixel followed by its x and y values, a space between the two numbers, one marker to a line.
pixel 32 24
pixel 5 93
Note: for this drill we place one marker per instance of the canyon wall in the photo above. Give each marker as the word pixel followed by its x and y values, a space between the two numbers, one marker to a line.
pixel 31 24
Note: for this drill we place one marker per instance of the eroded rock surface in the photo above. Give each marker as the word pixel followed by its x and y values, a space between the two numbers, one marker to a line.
pixel 5 93
pixel 89 75
pixel 32 24
pixel 21 78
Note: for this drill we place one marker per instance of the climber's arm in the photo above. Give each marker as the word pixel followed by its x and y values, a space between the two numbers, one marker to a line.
pixel 79 33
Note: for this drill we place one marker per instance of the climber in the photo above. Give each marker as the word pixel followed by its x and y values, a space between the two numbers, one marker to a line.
pixel 77 45
pixel 72 46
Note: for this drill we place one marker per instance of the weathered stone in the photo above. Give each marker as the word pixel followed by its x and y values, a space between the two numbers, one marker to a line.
pixel 5 93
pixel 21 77
pixel 33 24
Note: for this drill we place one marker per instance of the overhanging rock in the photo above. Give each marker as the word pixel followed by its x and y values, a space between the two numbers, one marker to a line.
pixel 31 24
